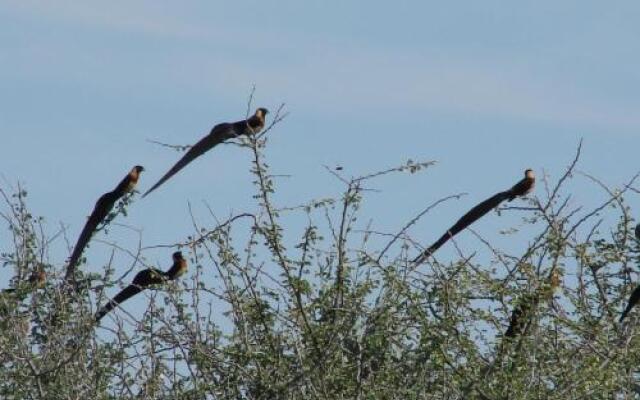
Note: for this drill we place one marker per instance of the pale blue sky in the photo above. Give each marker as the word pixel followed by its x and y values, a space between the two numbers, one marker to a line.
pixel 485 88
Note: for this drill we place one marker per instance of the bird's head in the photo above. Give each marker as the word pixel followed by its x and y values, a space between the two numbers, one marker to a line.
pixel 261 112
pixel 138 168
pixel 529 174
pixel 179 265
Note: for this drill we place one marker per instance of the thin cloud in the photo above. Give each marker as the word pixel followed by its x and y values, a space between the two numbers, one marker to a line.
pixel 333 76
pixel 380 79
pixel 147 18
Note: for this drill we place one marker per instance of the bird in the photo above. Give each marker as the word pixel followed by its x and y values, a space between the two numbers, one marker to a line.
pixel 637 231
pixel 633 300
pixel 103 206
pixel 519 189
pixel 36 280
pixel 143 280
pixel 523 187
pixel 218 134
pixel 470 217
pixel 517 324
pixel 521 315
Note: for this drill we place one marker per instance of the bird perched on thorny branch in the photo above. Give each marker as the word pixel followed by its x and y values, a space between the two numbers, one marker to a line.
pixel 521 188
pixel 524 187
pixel 37 280
pixel 635 295
pixel 218 134
pixel 103 206
pixel 522 313
pixel 143 280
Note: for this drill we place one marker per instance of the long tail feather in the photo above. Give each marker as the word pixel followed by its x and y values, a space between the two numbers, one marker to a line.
pixel 626 312
pixel 470 217
pixel 204 145
pixel 120 298
pixel 103 207
pixel 82 242
pixel 624 315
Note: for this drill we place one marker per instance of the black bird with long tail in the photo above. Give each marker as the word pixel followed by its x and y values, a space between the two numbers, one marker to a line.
pixel 143 280
pixel 103 206
pixel 521 188
pixel 218 134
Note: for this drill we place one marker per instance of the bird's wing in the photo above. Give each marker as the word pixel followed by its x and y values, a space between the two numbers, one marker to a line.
pixel 218 134
pixel 520 189
pixel 122 187
pixel 470 217
pixel 120 298
pixel 148 277
pixel 100 211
